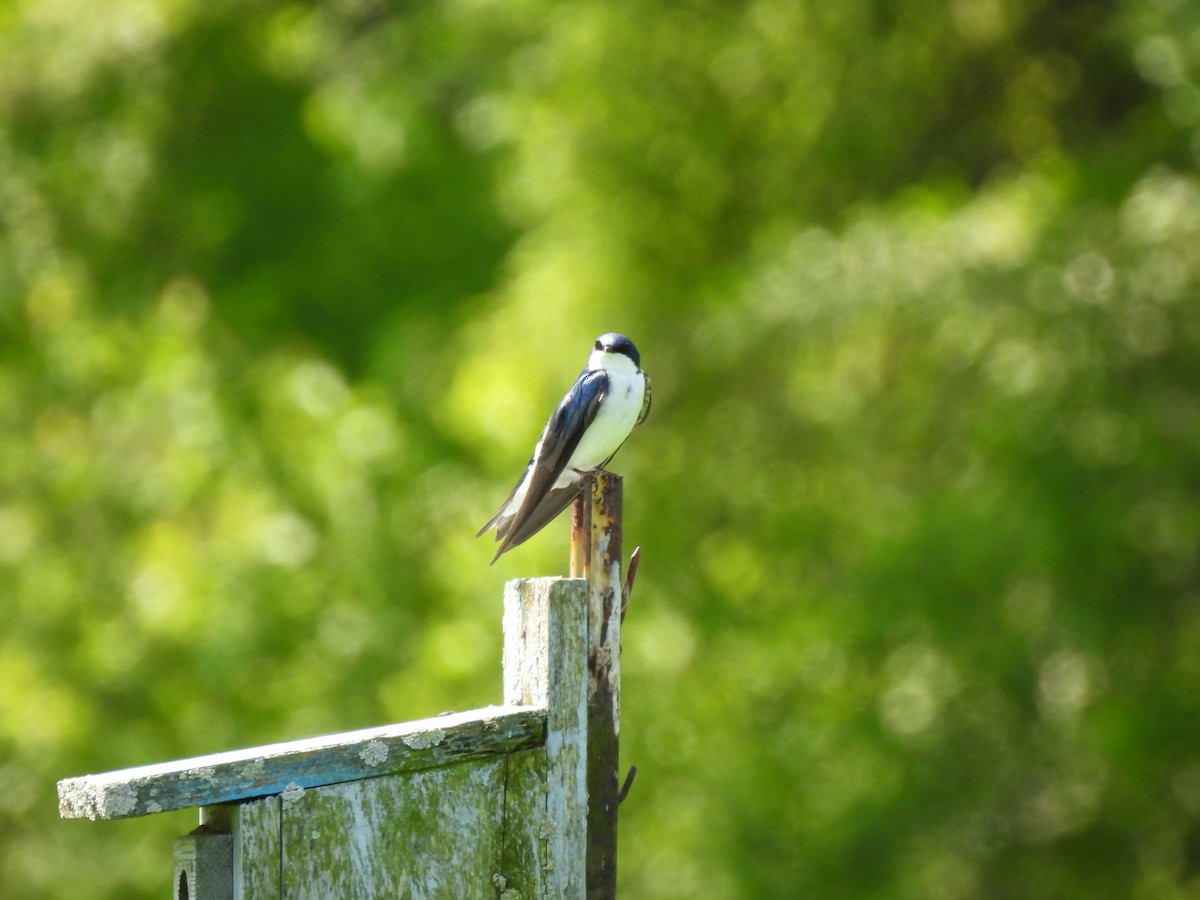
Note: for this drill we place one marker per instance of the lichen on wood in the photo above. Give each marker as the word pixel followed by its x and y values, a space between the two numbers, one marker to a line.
pixel 298 765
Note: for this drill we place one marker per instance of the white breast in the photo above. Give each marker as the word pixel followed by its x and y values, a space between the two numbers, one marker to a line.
pixel 614 420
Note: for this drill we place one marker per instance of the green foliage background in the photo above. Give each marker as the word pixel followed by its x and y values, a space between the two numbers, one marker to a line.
pixel 287 290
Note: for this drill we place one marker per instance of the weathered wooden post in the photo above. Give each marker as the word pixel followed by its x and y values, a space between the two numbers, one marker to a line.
pixel 514 801
pixel 596 557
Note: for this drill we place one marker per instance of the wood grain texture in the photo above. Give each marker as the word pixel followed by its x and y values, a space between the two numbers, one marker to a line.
pixel 433 833
pixel 257 850
pixel 545 663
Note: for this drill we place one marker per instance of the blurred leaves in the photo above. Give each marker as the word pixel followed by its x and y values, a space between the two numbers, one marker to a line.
pixel 286 292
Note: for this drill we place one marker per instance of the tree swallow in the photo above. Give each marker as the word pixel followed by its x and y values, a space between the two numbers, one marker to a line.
pixel 610 396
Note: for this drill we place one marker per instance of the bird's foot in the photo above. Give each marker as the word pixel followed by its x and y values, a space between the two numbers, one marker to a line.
pixel 593 475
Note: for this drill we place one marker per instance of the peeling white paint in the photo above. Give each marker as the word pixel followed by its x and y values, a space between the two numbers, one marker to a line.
pixel 254 770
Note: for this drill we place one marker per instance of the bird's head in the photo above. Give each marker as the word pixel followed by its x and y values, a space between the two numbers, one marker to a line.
pixel 614 351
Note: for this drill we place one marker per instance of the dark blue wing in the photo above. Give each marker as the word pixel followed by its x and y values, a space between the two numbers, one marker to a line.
pixel 556 500
pixel 542 502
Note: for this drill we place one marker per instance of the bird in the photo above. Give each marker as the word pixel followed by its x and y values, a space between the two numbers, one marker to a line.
pixel 609 398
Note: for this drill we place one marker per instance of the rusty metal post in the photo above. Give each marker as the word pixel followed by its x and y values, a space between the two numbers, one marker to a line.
pixel 596 556
pixel 581 533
